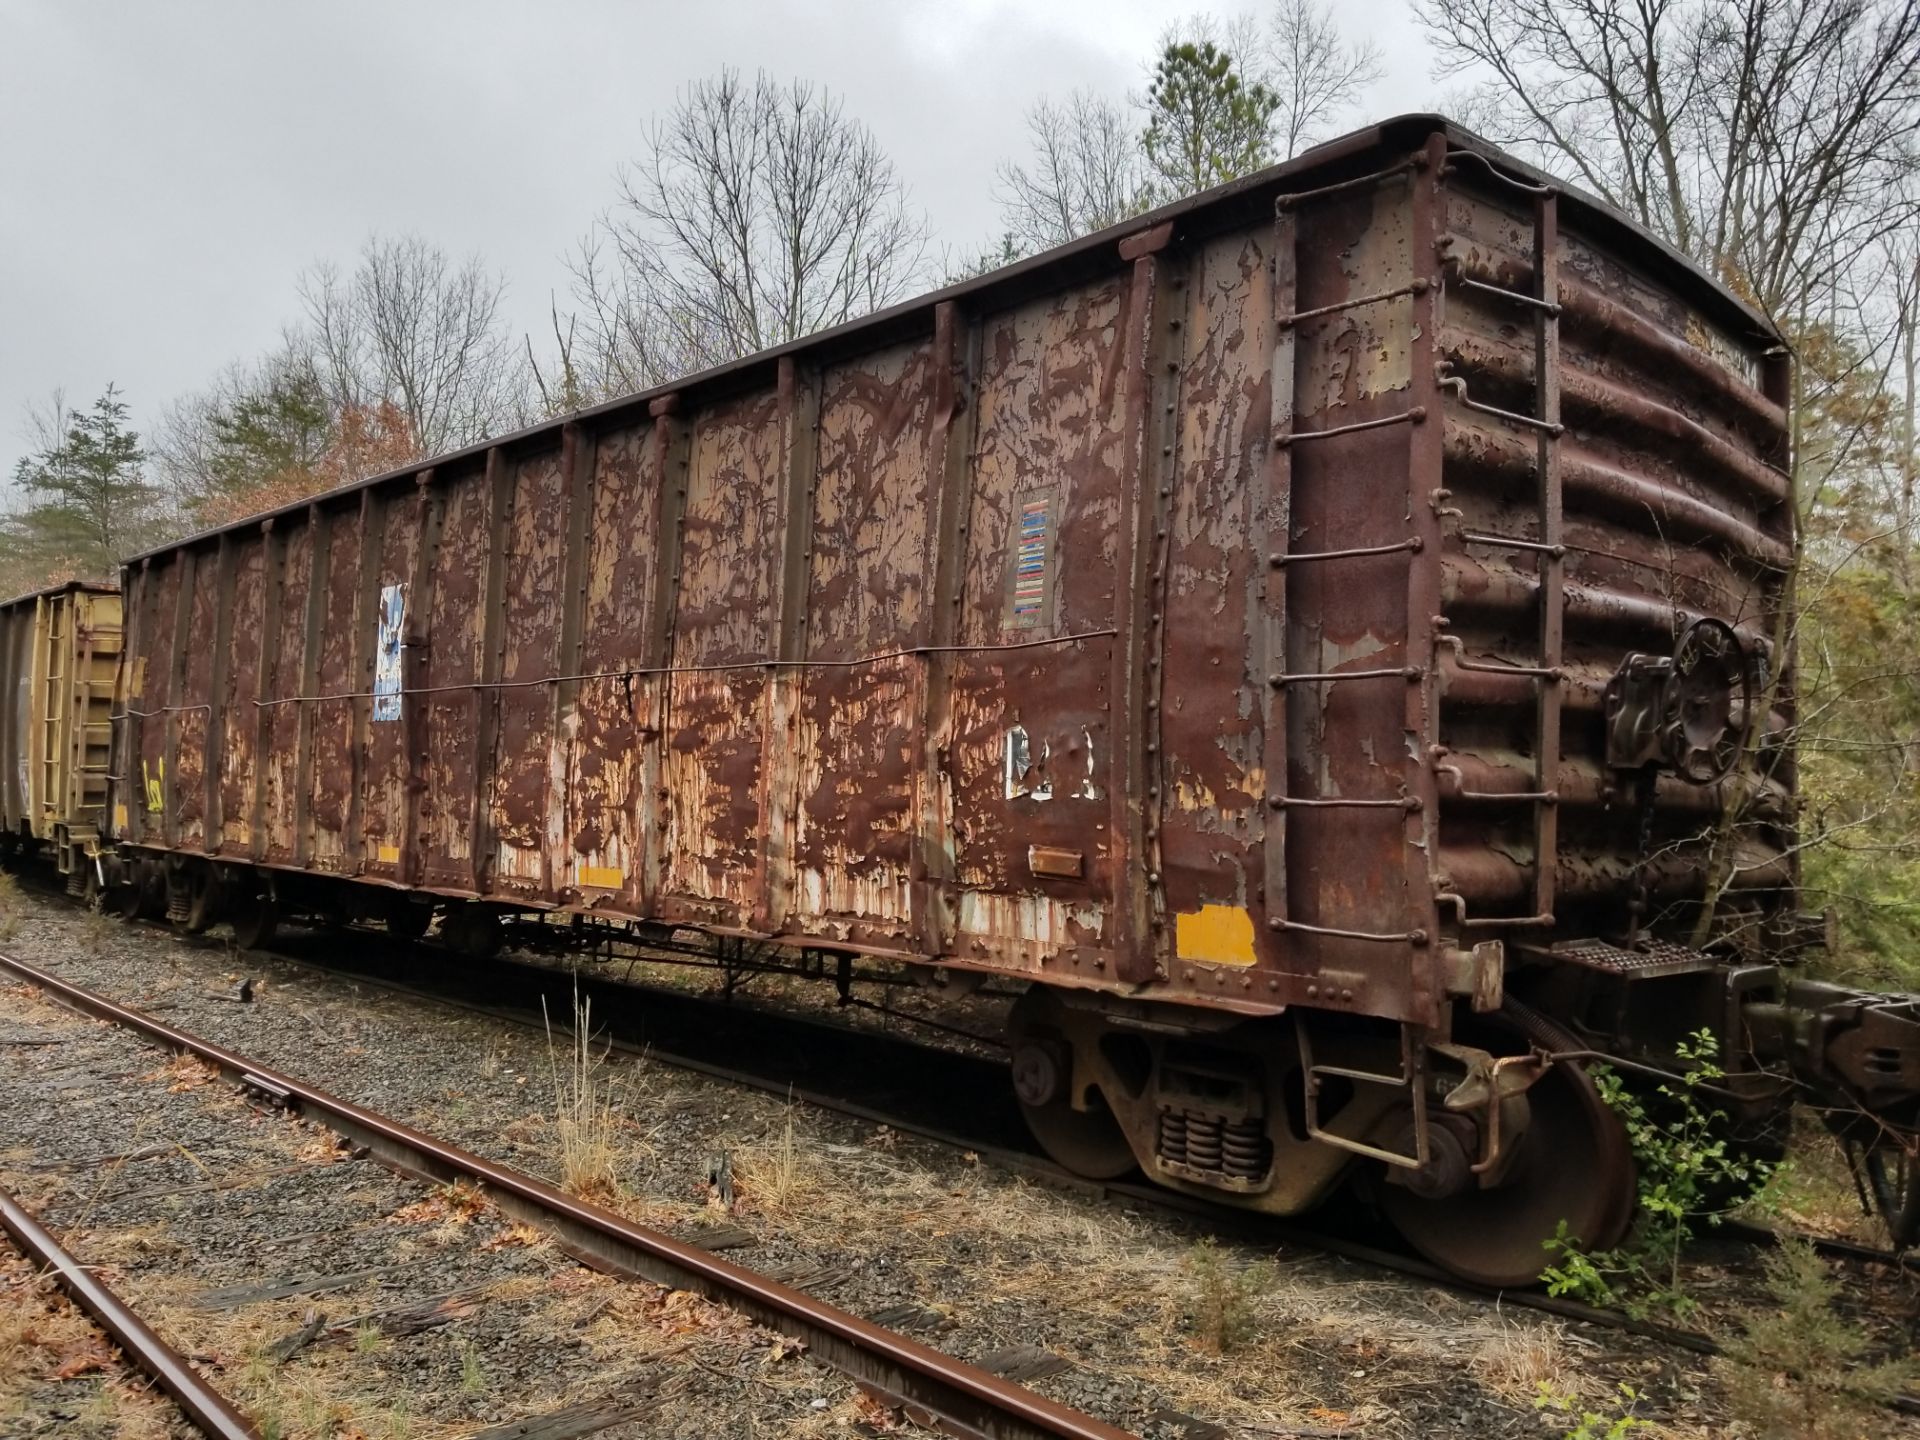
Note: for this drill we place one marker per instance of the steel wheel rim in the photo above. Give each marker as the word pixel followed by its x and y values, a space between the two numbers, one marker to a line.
pixel 1576 1166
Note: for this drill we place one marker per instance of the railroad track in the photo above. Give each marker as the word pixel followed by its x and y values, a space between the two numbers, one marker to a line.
pixel 701 1030
pixel 211 1412
pixel 934 1389
pixel 692 1033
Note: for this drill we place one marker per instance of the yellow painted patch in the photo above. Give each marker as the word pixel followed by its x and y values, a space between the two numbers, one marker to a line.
pixel 600 877
pixel 1215 935
pixel 388 854
pixel 119 819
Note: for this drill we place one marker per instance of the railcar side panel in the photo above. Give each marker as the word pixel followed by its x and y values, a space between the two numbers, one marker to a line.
pixel 152 687
pixel 455 626
pixel 238 751
pixel 284 708
pixel 950 635
pixel 205 609
pixel 1029 730
pixel 524 744
pixel 331 701
pixel 715 740
pixel 854 748
pixel 1211 778
pixel 605 731
pixel 385 761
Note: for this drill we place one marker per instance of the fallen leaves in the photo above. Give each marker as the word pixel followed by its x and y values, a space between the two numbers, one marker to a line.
pixel 515 1236
pixel 450 1204
pixel 90 1355
pixel 321 1150
pixel 183 1073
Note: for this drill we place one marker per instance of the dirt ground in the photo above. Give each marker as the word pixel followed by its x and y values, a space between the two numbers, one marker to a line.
pixel 1139 1318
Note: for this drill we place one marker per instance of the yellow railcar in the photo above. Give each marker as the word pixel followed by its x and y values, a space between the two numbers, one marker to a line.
pixel 59 655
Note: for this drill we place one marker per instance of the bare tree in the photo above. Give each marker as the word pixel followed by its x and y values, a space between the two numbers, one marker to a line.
pixel 1086 173
pixel 1905 257
pixel 412 329
pixel 759 213
pixel 625 334
pixel 1316 73
pixel 1763 137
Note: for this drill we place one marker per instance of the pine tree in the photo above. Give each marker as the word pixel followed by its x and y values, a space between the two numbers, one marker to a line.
pixel 270 436
pixel 1208 124
pixel 88 500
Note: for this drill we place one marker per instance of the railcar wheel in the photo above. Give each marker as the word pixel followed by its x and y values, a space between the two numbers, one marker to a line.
pixel 407 919
pixel 1574 1165
pixel 253 914
pixel 472 930
pixel 193 897
pixel 141 893
pixel 1088 1141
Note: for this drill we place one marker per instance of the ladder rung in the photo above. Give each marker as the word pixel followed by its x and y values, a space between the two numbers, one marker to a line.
pixel 1518 297
pixel 1458 385
pixel 1308 677
pixel 1282 802
pixel 1511 542
pixel 1301 557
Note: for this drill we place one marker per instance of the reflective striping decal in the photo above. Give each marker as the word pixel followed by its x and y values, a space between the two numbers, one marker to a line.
pixel 1030 563
pixel 387 854
pixel 599 877
pixel 1215 935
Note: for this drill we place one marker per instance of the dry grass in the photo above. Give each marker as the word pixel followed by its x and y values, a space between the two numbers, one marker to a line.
pixel 12 905
pixel 339 1386
pixel 777 1178
pixel 587 1106
pixel 53 1358
pixel 1815 1191
pixel 1522 1358
pixel 30 1006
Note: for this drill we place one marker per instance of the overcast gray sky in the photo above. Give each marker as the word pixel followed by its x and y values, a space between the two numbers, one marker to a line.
pixel 167 169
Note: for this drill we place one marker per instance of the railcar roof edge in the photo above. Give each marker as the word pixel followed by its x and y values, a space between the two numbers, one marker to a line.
pixel 92 587
pixel 1196 215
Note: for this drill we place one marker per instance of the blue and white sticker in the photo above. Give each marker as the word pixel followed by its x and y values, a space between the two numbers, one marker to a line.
pixel 387 667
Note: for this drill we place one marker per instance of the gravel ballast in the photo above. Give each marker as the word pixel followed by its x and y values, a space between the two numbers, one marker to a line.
pixel 1121 1313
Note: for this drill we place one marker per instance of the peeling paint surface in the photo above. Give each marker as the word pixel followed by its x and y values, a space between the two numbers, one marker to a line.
pixel 831 646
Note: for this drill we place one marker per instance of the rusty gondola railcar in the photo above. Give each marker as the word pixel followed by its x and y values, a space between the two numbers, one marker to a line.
pixel 59 656
pixel 1307 632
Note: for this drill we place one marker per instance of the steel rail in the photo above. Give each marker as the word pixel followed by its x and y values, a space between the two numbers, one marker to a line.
pixel 210 1411
pixel 1251 1226
pixel 1032 1165
pixel 934 1389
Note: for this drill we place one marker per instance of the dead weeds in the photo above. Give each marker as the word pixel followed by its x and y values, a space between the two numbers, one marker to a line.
pixel 589 1103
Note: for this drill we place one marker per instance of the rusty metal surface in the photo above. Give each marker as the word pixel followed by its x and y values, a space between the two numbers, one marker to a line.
pixel 210 1411
pixel 1203 563
pixel 940 1391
